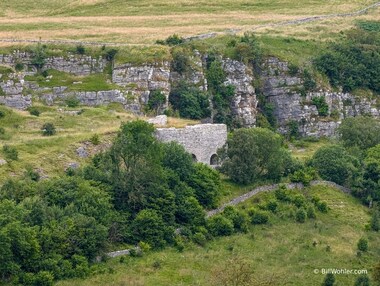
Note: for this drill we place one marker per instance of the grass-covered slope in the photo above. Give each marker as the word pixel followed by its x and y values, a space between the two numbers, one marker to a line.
pixel 281 252
pixel 145 21
pixel 52 154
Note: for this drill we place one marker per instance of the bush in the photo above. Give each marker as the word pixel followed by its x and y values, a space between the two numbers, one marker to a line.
pixel 322 207
pixel 156 101
pixel 72 101
pixel 375 221
pixel 258 216
pixel 48 129
pixel 2 114
pixel 329 280
pixel 10 153
pixel 311 212
pixel 301 216
pixel 238 218
pixel 19 66
pixel 321 104
pixel 220 226
pixel 80 50
pixel 363 244
pixel 199 238
pixel 110 54
pixel 362 280
pixel 293 69
pixel 172 40
pixel 34 111
pixel 304 176
pixel 43 278
pixel 95 139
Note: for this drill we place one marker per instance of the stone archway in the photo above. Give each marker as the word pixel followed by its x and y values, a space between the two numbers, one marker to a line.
pixel 214 160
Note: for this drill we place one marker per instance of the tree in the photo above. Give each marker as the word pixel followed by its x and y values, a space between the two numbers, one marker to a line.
pixel 334 164
pixel 219 225
pixel 254 154
pixel 149 227
pixel 39 56
pixel 362 132
pixel 363 244
pixel 371 176
pixel 156 101
pixel 362 280
pixel 190 101
pixel 177 159
pixel 206 184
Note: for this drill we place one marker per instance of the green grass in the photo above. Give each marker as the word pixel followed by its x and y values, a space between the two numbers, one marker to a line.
pixel 51 155
pixel 94 82
pixel 282 251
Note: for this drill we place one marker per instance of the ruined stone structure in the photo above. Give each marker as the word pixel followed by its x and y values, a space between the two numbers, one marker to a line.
pixel 202 140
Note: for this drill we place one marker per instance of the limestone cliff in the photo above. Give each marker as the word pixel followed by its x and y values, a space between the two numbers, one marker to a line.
pixel 133 85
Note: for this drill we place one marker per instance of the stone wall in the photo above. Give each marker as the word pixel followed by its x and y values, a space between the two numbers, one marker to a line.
pixel 202 140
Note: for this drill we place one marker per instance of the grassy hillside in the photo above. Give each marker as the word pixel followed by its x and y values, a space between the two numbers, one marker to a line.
pixel 51 155
pixel 281 252
pixel 143 22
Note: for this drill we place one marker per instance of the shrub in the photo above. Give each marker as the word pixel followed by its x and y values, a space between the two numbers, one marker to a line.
pixel 10 153
pixel 95 139
pixel 301 216
pixel 156 101
pixel 299 200
pixel 110 54
pixel 80 50
pixel 375 221
pixel 2 114
pixel 363 244
pixel 293 69
pixel 362 280
pixel 272 205
pixel 72 101
pixel 304 176
pixel 321 104
pixel 34 111
pixel 329 280
pixel 48 129
pixel 258 216
pixel 238 218
pixel 172 40
pixel 43 278
pixel 199 238
pixel 322 207
pixel 19 66
pixel 311 212
pixel 218 225
pixel 181 61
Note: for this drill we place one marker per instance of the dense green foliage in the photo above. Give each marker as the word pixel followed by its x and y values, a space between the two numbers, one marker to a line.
pixel 190 101
pixel 360 132
pixel 254 154
pixel 321 104
pixel 156 101
pixel 138 192
pixel 353 64
pixel 334 164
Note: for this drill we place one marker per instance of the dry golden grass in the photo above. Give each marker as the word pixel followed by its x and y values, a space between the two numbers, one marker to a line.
pixel 143 22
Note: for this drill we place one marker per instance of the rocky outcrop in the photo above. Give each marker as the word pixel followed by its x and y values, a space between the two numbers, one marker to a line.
pixel 293 104
pixel 17 101
pixel 80 65
pixel 244 103
pixel 140 81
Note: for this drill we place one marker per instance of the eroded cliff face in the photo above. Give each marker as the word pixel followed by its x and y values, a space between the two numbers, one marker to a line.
pixel 134 84
pixel 284 91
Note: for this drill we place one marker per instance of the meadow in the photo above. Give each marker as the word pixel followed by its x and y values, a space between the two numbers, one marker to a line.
pixel 280 253
pixel 144 22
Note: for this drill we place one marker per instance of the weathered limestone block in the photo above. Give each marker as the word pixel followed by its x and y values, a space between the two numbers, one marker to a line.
pixel 17 101
pixel 244 103
pixel 202 140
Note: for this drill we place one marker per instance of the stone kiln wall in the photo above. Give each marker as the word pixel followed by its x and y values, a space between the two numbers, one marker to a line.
pixel 202 140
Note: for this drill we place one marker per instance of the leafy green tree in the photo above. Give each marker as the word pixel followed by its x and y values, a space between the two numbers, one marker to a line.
pixel 157 100
pixel 148 226
pixel 254 154
pixel 219 225
pixel 371 177
pixel 239 219
pixel 362 132
pixel 39 56
pixel 207 185
pixel 334 164
pixel 177 159
pixel 190 101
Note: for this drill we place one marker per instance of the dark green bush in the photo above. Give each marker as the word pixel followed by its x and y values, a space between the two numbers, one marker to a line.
pixel 34 111
pixel 363 244
pixel 72 101
pixel 321 104
pixel 80 50
pixel 219 225
pixel 48 129
pixel 301 216
pixel 258 216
